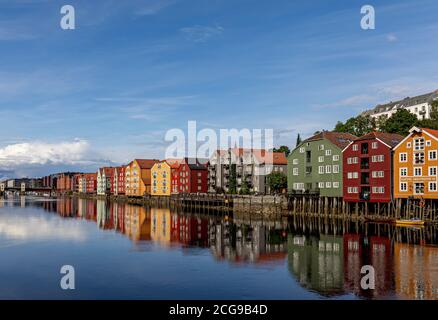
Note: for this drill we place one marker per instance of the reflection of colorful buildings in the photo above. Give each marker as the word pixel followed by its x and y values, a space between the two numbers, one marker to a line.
pixel 360 250
pixel 160 225
pixel 416 271
pixel 317 263
pixel 137 223
pixel 189 230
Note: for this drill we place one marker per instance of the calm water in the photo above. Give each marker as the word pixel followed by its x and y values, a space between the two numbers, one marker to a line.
pixel 130 252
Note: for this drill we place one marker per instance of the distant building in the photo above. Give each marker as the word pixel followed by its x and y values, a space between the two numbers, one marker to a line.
pixel 367 167
pixel 315 165
pixel 419 105
pixel 138 177
pixel 251 165
pixel 65 182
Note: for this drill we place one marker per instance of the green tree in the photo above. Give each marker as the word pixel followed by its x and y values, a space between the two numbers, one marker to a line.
pixel 245 187
pixel 298 141
pixel 233 179
pixel 400 122
pixel 277 181
pixel 284 149
pixel 357 126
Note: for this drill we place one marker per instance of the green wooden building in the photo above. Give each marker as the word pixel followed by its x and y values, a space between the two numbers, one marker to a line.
pixel 315 165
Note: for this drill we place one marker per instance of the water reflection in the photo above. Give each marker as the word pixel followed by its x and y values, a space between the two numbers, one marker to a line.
pixel 321 255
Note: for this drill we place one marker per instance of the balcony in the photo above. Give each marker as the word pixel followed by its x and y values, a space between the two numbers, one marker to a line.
pixel 365 163
pixel 364 148
pixel 365 194
pixel 365 178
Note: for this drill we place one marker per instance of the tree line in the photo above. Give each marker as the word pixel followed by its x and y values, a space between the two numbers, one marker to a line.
pixel 400 122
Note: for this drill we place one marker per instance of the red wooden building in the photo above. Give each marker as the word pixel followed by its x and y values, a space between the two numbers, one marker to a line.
pixel 91 182
pixel 367 163
pixel 190 177
pixel 65 182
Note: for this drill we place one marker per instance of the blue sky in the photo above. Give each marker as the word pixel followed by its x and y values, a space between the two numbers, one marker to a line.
pixel 109 90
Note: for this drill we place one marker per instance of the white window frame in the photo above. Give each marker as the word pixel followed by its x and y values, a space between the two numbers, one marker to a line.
pixel 405 188
pixel 335 168
pixel 355 147
pixel 328 169
pixel 403 157
pixel 434 169
pixel 374 145
pixel 429 155
pixel 302 150
pixel 295 161
pixel 403 170
pixel 321 159
pixel 295 172
pixel 435 189
pixel 415 171
pixel 321 170
pixel 328 152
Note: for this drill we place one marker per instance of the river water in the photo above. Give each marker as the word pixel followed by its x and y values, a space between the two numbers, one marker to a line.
pixel 122 251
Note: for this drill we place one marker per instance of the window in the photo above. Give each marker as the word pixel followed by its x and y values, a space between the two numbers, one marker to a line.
pixel 378 174
pixel 432 186
pixel 328 169
pixel 418 172
pixel 374 145
pixel 349 160
pixel 328 152
pixel 378 158
pixel 419 144
pixel 321 169
pixel 403 172
pixel 403 186
pixel 295 161
pixel 328 184
pixel 298 186
pixel 321 185
pixel 403 157
pixel 432 155
pixel 432 171
pixel 302 150
pixel 419 158
pixel 355 147
pixel 321 159
pixel 409 145
pixel 355 160
pixel 321 147
pixel 336 168
pixel 335 185
pixel 336 157
pixel 419 188
pixel 295 171
pixel 428 143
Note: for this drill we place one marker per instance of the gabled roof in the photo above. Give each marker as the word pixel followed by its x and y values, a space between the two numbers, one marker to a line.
pixel 390 139
pixel 195 163
pixel 431 131
pixel 146 163
pixel 339 139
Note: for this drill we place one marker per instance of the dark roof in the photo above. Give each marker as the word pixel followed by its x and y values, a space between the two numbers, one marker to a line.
pixel 405 103
pixel 391 139
pixel 339 139
pixel 196 163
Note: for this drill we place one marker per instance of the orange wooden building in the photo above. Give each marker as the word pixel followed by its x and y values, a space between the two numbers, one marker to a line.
pixel 415 165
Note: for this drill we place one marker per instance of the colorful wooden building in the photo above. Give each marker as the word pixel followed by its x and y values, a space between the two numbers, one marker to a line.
pixel 191 176
pixel 138 177
pixel 315 165
pixel 104 180
pixel 415 165
pixel 118 185
pixel 367 167
pixel 161 176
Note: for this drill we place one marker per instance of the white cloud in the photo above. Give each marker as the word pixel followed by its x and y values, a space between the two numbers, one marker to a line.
pixel 154 6
pixel 40 153
pixel 391 37
pixel 201 33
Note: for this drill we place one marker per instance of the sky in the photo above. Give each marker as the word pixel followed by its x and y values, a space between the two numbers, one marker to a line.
pixel 108 91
